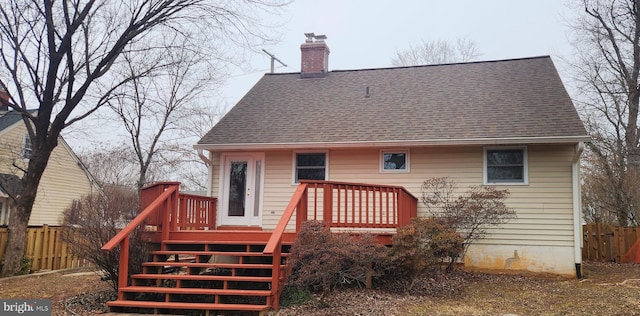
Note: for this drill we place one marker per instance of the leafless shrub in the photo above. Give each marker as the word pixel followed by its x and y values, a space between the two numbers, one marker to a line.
pixel 322 261
pixel 421 246
pixel 94 220
pixel 470 213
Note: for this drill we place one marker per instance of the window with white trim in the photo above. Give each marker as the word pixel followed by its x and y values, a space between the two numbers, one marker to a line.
pixel 505 165
pixel 26 147
pixel 310 166
pixel 394 161
pixel 4 213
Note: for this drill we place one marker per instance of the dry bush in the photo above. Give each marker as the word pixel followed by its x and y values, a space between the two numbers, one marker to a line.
pixel 470 213
pixel 95 219
pixel 422 246
pixel 322 261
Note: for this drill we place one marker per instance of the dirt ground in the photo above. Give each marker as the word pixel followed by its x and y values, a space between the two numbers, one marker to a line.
pixel 607 289
pixel 60 287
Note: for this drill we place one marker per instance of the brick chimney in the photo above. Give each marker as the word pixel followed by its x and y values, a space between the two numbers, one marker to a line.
pixel 4 101
pixel 315 56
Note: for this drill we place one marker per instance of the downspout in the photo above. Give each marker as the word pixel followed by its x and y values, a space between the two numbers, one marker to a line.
pixel 204 158
pixel 577 209
pixel 209 165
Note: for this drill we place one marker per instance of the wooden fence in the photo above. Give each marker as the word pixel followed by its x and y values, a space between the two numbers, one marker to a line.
pixel 46 249
pixel 607 243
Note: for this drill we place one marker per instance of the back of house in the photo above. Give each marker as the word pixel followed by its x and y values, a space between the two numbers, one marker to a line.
pixel 505 123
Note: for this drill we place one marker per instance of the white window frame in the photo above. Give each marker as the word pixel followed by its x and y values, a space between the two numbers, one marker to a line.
pixel 4 212
pixel 294 163
pixel 395 151
pixel 525 165
pixel 27 147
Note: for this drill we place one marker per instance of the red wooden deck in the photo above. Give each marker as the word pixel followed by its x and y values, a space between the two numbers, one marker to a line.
pixel 184 226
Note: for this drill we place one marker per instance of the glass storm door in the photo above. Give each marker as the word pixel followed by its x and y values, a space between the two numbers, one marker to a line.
pixel 242 190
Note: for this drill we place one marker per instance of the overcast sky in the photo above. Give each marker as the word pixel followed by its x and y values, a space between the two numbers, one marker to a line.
pixel 367 33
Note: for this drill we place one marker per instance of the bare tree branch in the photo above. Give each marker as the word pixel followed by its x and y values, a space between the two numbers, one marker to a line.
pixel 62 57
pixel 437 52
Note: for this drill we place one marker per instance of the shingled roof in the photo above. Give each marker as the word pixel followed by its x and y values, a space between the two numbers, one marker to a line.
pixel 9 118
pixel 505 101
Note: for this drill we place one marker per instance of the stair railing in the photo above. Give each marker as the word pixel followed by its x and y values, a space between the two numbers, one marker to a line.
pixel 157 212
pixel 343 205
pixel 297 203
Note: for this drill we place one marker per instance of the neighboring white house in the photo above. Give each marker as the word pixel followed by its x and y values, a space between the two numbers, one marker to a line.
pixel 508 123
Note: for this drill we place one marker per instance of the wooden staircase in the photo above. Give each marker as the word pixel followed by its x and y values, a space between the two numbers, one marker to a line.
pixel 221 277
pixel 200 268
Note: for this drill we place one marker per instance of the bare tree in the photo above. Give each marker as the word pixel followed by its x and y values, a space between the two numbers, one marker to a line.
pixel 111 165
pixel 192 171
pixel 59 56
pixel 437 52
pixel 607 69
pixel 155 107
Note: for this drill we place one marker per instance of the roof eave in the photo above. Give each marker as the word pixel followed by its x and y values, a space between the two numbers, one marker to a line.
pixel 399 143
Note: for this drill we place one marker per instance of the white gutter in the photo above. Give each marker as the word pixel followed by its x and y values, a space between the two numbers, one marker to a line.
pixel 398 143
pixel 209 165
pixel 577 209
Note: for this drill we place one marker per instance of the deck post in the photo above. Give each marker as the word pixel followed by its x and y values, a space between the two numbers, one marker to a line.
pixel 173 211
pixel 327 205
pixel 302 209
pixel 123 267
pixel 275 276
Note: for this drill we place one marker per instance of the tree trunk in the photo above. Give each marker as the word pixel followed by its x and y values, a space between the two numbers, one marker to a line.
pixel 16 243
pixel 19 216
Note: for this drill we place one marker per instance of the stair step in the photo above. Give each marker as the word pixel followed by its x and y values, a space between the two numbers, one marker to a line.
pixel 173 290
pixel 188 306
pixel 222 242
pixel 203 277
pixel 214 253
pixel 209 265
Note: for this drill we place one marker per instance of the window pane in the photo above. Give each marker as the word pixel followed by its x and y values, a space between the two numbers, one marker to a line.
pixel 237 188
pixel 505 174
pixel 311 174
pixel 395 161
pixel 505 157
pixel 310 160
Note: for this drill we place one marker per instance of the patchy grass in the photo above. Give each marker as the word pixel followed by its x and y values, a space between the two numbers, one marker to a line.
pixel 607 289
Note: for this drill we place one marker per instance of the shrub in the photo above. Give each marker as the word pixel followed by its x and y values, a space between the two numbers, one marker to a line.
pixel 421 247
pixel 95 219
pixel 25 268
pixel 470 213
pixel 322 261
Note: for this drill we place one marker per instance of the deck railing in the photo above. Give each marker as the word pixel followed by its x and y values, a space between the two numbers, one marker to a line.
pixel 164 209
pixel 193 212
pixel 357 205
pixel 341 204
